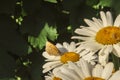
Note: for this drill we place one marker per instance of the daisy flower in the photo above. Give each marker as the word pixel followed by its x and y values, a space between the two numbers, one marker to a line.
pixel 102 35
pixel 59 54
pixel 51 76
pixel 84 71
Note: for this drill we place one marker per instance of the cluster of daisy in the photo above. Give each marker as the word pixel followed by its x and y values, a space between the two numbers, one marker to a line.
pixel 89 59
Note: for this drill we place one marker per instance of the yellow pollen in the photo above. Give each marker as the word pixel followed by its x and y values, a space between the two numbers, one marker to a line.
pixel 93 78
pixel 56 78
pixel 69 56
pixel 108 35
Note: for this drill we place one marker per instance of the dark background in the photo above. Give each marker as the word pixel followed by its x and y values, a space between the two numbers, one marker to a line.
pixel 25 26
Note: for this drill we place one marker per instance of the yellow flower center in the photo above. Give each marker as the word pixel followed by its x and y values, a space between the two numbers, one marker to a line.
pixel 108 35
pixel 93 78
pixel 56 78
pixel 69 56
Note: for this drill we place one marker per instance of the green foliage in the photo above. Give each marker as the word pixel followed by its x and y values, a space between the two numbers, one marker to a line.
pixel 46 32
pixel 105 3
pixel 92 2
pixel 52 1
pixel 27 24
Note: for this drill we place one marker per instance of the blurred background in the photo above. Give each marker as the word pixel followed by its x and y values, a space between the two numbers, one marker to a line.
pixel 26 25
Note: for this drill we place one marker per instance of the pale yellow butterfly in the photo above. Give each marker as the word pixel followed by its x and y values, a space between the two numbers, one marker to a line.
pixel 52 49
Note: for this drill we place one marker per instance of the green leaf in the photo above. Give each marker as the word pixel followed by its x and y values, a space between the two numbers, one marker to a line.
pixel 7 64
pixel 46 32
pixel 8 79
pixel 51 1
pixel 92 2
pixel 51 32
pixel 105 3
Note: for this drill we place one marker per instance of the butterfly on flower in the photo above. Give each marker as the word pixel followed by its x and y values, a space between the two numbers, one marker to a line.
pixel 52 49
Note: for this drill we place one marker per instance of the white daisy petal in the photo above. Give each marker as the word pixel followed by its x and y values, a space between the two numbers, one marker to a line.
pixel 103 59
pixel 91 45
pixel 101 52
pixel 72 47
pixel 104 54
pixel 70 73
pixel 80 37
pixel 50 57
pixel 91 24
pixel 84 52
pixel 107 71
pixel 57 72
pixel 85 69
pixel 90 29
pixel 65 44
pixel 100 38
pixel 50 65
pixel 58 45
pixel 109 49
pixel 114 52
pixel 85 32
pixel 95 46
pixel 103 17
pixel 109 18
pixel 77 69
pixel 98 22
pixel 117 23
pixel 115 76
pixel 82 70
pixel 97 71
pixel 67 72
pixel 88 57
pixel 54 61
pixel 61 48
pixel 117 49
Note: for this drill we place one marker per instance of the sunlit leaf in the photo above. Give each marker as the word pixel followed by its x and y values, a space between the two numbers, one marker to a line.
pixel 52 1
pixel 46 32
pixel 105 3
pixel 92 2
pixel 8 79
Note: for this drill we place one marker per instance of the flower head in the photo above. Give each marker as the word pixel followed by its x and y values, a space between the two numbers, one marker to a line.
pixel 51 76
pixel 101 35
pixel 84 71
pixel 57 55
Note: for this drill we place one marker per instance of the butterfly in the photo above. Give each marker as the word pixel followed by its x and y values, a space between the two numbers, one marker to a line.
pixel 52 49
